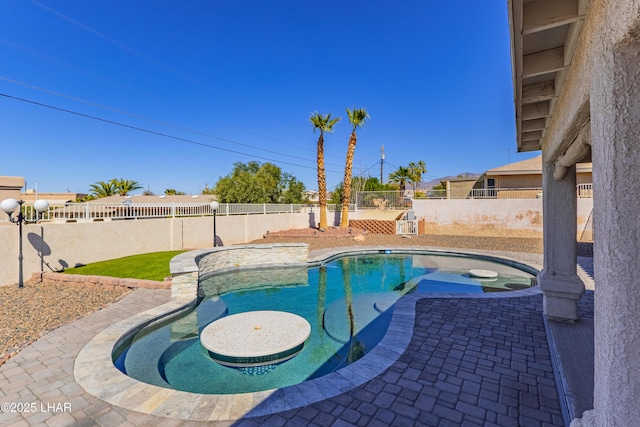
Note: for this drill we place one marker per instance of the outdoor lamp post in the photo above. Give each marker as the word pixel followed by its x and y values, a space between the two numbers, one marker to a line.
pixel 9 206
pixel 214 207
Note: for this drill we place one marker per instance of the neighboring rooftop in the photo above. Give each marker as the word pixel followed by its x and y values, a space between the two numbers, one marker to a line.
pixel 529 166
pixel 187 198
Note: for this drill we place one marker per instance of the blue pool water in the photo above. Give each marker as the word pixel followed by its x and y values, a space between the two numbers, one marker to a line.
pixel 348 302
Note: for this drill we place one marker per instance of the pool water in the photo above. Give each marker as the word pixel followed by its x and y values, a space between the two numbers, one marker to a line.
pixel 348 302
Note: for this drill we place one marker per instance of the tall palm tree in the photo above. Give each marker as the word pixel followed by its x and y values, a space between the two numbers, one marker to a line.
pixel 324 123
pixel 356 349
pixel 125 186
pixel 416 170
pixel 400 177
pixel 322 294
pixel 357 117
pixel 103 189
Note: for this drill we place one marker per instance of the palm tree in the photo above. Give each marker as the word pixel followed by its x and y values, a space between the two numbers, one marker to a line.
pixel 324 123
pixel 357 117
pixel 103 189
pixel 400 177
pixel 416 170
pixel 125 186
pixel 356 349
pixel 322 294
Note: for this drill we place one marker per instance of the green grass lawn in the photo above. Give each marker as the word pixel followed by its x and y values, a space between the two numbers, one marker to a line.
pixel 153 266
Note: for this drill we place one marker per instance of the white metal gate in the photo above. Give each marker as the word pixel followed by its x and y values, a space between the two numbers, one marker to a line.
pixel 404 226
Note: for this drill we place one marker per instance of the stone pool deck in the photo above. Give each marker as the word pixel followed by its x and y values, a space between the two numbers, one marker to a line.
pixel 467 361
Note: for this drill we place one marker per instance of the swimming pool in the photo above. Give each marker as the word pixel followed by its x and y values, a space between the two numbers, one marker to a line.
pixel 348 302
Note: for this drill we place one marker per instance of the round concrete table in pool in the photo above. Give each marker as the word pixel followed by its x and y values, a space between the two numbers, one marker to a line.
pixel 255 338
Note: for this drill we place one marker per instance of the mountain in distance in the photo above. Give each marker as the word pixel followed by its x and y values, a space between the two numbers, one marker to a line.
pixel 426 185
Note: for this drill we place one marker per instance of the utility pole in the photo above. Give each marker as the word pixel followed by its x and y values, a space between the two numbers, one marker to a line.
pixel 382 164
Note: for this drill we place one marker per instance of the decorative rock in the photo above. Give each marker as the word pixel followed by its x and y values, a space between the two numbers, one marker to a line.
pixel 359 238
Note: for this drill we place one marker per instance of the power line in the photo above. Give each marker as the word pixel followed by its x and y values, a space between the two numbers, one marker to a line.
pixel 138 116
pixel 371 167
pixel 164 135
pixel 158 63
pixel 133 89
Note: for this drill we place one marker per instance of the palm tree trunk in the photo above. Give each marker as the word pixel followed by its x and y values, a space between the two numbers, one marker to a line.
pixel 348 170
pixel 322 184
pixel 322 294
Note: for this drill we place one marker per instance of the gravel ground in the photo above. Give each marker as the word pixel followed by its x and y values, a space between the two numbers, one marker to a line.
pixel 334 237
pixel 30 312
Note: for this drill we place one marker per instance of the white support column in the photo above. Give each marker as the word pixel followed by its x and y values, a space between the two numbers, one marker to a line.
pixel 559 280
pixel 615 122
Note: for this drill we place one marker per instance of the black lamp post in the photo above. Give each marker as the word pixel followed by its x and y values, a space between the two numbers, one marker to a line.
pixel 214 207
pixel 9 206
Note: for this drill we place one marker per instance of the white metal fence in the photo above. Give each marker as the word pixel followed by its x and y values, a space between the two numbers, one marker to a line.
pixel 482 193
pixel 383 200
pixel 395 200
pixel 585 190
pixel 404 199
pixel 70 212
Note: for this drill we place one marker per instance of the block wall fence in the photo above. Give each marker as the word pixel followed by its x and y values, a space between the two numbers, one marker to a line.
pixel 54 246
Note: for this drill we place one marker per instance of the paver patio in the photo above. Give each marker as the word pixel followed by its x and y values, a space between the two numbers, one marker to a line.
pixel 470 361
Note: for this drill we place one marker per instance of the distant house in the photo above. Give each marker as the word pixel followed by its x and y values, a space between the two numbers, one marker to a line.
pixel 313 196
pixel 524 179
pixel 457 188
pixel 10 187
pixel 31 196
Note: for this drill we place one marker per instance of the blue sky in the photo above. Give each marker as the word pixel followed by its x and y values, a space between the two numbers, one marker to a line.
pixel 177 91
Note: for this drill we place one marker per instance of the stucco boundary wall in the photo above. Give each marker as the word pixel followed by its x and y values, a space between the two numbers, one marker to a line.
pixel 491 217
pixel 50 247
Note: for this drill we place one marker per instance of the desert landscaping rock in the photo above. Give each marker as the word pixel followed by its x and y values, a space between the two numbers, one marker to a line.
pixel 28 313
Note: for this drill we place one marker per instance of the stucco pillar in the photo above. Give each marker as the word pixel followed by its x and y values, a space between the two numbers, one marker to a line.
pixel 615 124
pixel 559 281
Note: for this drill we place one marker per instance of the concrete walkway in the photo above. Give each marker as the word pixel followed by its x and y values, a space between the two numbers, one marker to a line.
pixel 470 361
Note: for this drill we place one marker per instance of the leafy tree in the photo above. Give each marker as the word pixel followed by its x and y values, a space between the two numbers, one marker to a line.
pixel 336 194
pixel 208 190
pixel 86 198
pixel 357 117
pixel 294 192
pixel 441 186
pixel 359 183
pixel 369 183
pixel 256 183
pixel 173 192
pixel 400 177
pixel 416 170
pixel 323 123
